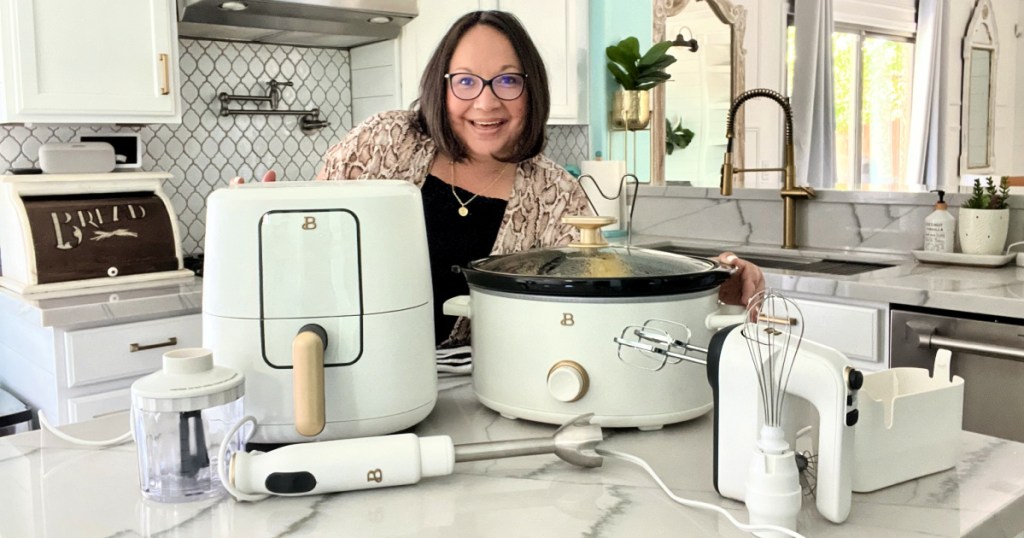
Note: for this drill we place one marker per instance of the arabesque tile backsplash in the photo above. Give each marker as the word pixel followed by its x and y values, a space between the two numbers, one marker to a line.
pixel 206 149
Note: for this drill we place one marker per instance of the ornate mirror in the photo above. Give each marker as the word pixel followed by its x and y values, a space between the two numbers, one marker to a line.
pixel 708 74
pixel 977 105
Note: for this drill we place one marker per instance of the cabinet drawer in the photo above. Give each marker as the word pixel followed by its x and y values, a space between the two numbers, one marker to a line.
pixel 855 330
pixel 93 406
pixel 127 350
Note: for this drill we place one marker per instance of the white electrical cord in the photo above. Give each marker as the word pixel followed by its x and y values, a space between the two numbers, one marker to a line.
pixel 695 504
pixel 45 424
pixel 223 463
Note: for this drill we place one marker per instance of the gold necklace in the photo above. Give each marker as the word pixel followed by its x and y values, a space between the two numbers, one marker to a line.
pixel 463 211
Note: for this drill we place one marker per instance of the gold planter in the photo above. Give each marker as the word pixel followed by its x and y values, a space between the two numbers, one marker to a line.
pixel 631 110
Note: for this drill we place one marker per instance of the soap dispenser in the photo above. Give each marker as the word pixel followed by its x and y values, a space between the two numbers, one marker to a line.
pixel 939 227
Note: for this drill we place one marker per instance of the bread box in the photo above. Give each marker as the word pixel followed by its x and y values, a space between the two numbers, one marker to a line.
pixel 70 231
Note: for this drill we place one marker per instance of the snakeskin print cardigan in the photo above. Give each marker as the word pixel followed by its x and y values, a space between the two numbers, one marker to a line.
pixel 389 146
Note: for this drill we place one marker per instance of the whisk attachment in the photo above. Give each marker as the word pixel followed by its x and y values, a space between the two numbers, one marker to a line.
pixel 773 332
pixel 807 466
pixel 652 346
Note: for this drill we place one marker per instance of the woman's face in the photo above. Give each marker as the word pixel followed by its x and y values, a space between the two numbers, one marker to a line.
pixel 486 125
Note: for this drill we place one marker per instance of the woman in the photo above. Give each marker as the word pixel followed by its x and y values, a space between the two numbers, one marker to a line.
pixel 473 145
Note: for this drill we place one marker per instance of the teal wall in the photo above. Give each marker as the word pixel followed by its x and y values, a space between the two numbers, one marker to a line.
pixel 610 22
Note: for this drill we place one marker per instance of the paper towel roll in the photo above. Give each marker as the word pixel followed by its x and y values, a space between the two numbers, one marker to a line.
pixel 608 176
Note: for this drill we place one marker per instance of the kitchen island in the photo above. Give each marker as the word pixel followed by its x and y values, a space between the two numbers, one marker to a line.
pixel 54 489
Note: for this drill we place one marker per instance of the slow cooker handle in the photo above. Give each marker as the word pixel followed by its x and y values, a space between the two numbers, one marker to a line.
pixel 725 316
pixel 457 306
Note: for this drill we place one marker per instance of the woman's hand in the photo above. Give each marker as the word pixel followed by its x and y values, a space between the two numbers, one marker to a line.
pixel 269 176
pixel 747 281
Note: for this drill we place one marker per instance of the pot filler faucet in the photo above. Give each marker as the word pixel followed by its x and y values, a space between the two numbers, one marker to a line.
pixel 790 191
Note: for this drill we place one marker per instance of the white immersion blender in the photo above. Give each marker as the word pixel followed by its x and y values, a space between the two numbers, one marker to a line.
pixel 389 460
pixel 773 482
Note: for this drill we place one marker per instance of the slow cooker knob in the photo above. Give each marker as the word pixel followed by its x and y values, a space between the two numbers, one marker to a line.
pixel 568 381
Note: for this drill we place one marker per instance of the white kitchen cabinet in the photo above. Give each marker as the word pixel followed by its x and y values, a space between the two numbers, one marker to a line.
pixel 89 61
pixel 558 28
pixel 375 84
pixel 860 329
pixel 80 373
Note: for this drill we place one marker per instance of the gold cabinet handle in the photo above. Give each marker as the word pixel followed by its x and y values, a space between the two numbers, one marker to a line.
pixel 165 64
pixel 172 341
pixel 779 321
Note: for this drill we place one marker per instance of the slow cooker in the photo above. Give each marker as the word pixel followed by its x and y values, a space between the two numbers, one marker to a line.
pixel 544 323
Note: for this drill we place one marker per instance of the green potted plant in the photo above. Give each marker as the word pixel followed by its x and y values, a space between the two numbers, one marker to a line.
pixel 676 137
pixel 636 73
pixel 984 218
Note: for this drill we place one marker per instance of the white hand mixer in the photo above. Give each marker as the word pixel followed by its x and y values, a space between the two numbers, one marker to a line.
pixel 760 409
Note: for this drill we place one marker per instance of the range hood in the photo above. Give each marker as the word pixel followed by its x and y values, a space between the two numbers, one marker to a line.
pixel 338 24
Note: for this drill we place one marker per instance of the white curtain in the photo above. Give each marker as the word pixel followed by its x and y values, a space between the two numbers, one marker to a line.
pixel 925 107
pixel 812 100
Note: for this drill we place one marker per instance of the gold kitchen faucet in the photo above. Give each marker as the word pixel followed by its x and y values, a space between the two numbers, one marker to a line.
pixel 790 192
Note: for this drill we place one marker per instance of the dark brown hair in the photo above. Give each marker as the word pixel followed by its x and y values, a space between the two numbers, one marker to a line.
pixel 432 108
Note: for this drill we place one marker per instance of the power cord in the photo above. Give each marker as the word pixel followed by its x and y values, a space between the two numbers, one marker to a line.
pixel 695 504
pixel 45 424
pixel 222 470
pixel 224 462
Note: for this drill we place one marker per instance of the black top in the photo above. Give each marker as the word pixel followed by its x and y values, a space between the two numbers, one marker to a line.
pixel 455 240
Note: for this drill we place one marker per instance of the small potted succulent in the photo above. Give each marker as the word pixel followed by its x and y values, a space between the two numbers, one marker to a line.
pixel 984 218
pixel 636 73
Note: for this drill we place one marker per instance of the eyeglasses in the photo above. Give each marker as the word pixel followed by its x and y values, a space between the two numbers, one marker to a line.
pixel 506 86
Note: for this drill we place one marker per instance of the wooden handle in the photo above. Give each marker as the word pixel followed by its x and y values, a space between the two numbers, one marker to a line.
pixel 590 229
pixel 308 383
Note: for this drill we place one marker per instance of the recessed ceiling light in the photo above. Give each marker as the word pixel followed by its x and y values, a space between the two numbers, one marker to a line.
pixel 234 6
pixel 380 19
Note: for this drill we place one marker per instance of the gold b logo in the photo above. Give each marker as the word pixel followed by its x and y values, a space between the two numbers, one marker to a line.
pixel 375 475
pixel 309 223
pixel 567 320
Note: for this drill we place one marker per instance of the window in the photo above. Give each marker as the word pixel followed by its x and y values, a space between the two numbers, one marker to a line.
pixel 872 75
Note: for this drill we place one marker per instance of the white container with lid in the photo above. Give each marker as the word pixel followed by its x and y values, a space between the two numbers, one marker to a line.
pixel 181 416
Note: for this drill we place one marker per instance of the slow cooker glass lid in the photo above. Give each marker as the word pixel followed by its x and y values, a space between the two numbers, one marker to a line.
pixel 603 262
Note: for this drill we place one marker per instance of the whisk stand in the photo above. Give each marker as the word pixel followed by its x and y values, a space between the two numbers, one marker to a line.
pixel 773 483
pixel 773 490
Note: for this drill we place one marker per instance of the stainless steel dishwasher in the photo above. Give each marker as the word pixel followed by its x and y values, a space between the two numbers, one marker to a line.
pixel 988 352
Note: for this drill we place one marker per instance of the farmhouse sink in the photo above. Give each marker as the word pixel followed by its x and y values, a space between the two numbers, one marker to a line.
pixel 782 261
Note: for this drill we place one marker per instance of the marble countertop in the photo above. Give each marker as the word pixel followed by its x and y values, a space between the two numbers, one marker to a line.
pixel 991 291
pixel 52 489
pixel 997 291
